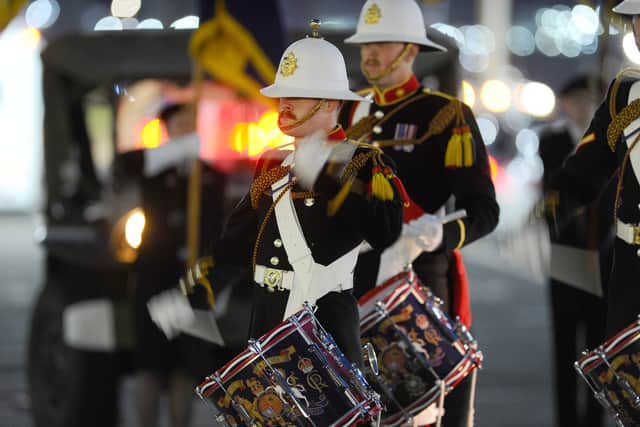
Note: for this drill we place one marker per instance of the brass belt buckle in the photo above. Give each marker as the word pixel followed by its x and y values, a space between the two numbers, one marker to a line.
pixel 636 234
pixel 273 279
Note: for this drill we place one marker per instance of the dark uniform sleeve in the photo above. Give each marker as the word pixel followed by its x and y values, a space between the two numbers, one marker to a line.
pixel 474 192
pixel 585 173
pixel 380 220
pixel 230 255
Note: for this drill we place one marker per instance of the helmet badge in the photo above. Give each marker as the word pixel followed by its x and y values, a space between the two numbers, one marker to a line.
pixel 372 15
pixel 288 65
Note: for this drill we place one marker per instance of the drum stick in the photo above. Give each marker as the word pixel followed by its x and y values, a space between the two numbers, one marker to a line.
pixel 443 386
pixel 453 216
pixel 472 398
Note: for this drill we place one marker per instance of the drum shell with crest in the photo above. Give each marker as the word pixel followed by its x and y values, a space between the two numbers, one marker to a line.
pixel 313 377
pixel 416 344
pixel 612 371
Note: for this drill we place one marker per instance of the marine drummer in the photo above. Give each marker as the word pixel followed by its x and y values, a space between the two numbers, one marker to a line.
pixel 310 207
pixel 608 149
pixel 435 143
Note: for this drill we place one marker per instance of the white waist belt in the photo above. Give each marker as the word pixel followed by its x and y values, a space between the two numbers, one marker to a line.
pixel 628 232
pixel 338 276
pixel 273 278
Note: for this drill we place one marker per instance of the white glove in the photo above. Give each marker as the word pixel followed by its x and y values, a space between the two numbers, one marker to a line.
pixel 309 158
pixel 428 416
pixel 427 230
pixel 174 152
pixel 171 312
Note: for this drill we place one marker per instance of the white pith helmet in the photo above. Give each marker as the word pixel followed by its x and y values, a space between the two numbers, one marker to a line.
pixel 392 21
pixel 312 68
pixel 628 7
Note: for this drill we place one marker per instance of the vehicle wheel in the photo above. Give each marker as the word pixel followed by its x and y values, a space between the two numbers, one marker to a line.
pixel 67 387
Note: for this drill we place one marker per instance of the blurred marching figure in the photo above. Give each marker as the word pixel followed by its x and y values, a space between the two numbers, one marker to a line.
pixel 435 142
pixel 312 203
pixel 184 203
pixel 583 244
pixel 177 365
pixel 608 154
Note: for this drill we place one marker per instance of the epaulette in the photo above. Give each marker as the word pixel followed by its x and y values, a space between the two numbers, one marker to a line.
pixel 268 174
pixel 460 150
pixel 438 93
pixel 620 120
pixel 381 177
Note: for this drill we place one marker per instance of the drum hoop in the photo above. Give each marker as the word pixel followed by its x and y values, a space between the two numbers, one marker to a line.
pixel 611 347
pixel 390 281
pixel 466 365
pixel 390 302
pixel 247 357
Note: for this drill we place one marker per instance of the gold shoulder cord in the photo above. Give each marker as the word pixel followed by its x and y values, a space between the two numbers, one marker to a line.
pixel 619 121
pixel 363 128
pixel 621 175
pixel 438 124
pixel 264 181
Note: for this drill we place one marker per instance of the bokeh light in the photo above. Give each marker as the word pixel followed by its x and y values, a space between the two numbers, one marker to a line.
pixel 537 99
pixel 489 128
pixel 108 23
pixel 125 8
pixel 495 96
pixel 520 41
pixel 150 24
pixel 42 13
pixel 468 94
pixel 186 23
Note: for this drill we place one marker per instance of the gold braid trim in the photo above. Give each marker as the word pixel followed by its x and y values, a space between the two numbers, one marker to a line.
pixel 614 89
pixel 364 126
pixel 266 180
pixel 355 164
pixel 302 194
pixel 619 186
pixel 621 121
pixel 615 128
pixel 265 220
pixel 438 125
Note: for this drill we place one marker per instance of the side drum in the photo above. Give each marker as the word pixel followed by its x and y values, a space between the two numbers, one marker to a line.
pixel 293 375
pixel 612 371
pixel 418 347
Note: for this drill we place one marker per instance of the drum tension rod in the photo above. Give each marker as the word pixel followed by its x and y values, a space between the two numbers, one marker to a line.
pixel 599 393
pixel 315 349
pixel 386 390
pixel 407 342
pixel 240 409
pixel 623 383
pixel 255 347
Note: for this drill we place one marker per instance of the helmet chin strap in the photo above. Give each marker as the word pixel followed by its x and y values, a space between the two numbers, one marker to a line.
pixel 390 68
pixel 305 118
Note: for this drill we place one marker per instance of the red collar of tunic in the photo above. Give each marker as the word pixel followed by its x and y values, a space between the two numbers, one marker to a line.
pixel 337 134
pixel 396 93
